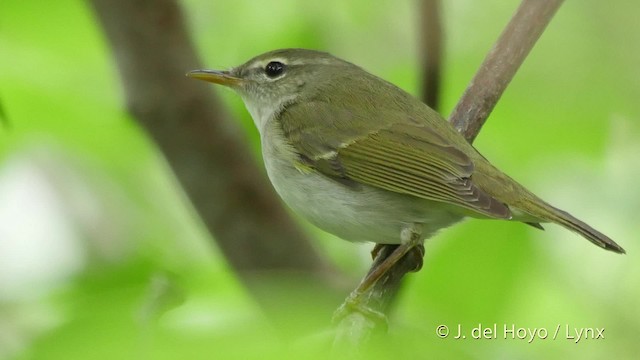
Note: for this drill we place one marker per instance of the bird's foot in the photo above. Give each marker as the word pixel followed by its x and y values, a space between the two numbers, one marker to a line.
pixel 417 252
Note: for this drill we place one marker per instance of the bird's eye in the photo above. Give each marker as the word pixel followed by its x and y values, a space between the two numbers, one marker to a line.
pixel 274 69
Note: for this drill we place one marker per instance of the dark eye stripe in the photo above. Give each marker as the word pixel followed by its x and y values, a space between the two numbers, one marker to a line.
pixel 274 69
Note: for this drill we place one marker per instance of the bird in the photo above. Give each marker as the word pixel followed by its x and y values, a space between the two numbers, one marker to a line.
pixel 366 161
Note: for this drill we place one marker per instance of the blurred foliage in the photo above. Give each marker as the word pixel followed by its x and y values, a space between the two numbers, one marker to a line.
pixel 102 257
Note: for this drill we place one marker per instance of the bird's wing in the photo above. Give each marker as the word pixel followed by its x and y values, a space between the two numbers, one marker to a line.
pixel 403 157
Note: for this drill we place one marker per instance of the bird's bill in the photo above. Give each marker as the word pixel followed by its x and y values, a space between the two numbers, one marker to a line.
pixel 215 76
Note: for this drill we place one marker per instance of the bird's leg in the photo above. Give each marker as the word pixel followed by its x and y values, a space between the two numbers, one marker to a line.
pixel 410 242
pixel 410 239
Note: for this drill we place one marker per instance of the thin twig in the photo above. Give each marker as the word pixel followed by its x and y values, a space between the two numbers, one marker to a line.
pixel 431 51
pixel 471 112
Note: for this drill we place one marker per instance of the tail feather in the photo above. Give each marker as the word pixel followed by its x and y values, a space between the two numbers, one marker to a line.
pixel 563 218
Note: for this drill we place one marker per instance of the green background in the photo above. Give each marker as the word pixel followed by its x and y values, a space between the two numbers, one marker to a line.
pixel 101 256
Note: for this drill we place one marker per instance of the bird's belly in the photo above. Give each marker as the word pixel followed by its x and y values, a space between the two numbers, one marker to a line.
pixel 361 213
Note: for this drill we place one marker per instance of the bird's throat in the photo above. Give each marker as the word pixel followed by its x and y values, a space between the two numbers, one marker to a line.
pixel 264 110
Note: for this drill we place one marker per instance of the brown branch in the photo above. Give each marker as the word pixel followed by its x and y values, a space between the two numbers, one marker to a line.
pixel 355 328
pixel 203 147
pixel 471 112
pixel 431 51
pixel 501 64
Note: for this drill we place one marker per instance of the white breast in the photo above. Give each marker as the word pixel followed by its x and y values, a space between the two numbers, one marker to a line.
pixel 365 214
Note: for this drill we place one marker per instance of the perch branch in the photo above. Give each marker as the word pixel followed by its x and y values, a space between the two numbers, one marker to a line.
pixel 501 64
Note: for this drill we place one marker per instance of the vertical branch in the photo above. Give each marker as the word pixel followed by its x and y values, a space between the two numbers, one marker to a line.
pixel 501 64
pixel 202 145
pixel 471 112
pixel 431 52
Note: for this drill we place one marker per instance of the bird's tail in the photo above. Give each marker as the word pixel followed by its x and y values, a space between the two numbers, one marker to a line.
pixel 546 212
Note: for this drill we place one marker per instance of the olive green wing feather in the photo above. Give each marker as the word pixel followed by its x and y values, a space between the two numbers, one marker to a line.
pixel 403 157
pixel 421 164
